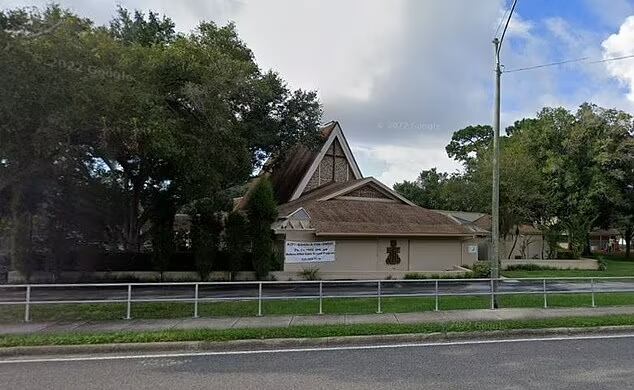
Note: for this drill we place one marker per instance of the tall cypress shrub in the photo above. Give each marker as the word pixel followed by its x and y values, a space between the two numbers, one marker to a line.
pixel 262 212
pixel 205 235
pixel 237 241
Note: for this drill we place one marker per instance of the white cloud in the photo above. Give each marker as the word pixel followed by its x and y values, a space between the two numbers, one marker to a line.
pixel 618 45
pixel 398 163
pixel 337 47
pixel 519 26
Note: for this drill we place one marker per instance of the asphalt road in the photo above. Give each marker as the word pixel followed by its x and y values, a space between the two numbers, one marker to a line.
pixel 570 363
pixel 352 289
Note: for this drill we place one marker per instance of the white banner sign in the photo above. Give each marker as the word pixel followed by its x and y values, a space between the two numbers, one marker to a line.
pixel 309 252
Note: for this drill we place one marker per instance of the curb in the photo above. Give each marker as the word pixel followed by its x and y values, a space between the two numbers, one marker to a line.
pixel 263 344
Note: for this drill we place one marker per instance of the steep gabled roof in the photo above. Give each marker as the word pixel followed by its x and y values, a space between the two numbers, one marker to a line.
pixel 290 175
pixel 333 132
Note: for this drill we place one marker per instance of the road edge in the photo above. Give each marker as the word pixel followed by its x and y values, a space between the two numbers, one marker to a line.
pixel 281 343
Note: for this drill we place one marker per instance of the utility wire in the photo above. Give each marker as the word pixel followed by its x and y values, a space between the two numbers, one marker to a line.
pixel 506 10
pixel 506 26
pixel 582 59
pixel 612 59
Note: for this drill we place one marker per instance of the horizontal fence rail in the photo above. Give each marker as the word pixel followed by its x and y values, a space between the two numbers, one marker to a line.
pixel 260 291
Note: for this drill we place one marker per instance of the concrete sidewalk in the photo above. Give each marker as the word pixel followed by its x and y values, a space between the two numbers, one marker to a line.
pixel 288 321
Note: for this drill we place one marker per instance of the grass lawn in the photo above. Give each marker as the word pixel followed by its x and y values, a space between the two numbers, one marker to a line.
pixel 116 311
pixel 617 266
pixel 306 331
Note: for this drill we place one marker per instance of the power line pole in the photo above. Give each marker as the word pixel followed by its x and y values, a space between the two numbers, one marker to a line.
pixel 495 201
pixel 495 197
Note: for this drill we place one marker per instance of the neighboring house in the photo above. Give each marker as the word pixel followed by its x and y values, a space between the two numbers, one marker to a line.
pixel 346 225
pixel 524 242
pixel 606 240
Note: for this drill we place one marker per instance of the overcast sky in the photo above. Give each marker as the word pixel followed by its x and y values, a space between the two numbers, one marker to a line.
pixel 401 76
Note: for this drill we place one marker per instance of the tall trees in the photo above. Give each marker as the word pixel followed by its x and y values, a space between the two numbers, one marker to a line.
pixel 467 144
pixel 439 190
pixel 135 116
pixel 576 151
pixel 561 171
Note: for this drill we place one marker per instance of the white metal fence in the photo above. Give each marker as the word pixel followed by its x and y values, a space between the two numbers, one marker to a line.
pixel 190 292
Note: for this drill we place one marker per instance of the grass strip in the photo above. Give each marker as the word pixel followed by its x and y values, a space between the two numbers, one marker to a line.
pixel 615 267
pixel 312 331
pixel 116 311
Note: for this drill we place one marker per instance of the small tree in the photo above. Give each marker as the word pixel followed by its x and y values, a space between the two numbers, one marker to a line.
pixel 205 234
pixel 21 239
pixel 262 212
pixel 237 239
pixel 162 231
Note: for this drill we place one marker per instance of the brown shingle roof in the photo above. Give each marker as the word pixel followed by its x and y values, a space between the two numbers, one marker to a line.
pixel 286 177
pixel 289 173
pixel 313 195
pixel 358 217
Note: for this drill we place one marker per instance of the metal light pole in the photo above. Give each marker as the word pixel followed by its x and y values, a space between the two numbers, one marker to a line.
pixel 495 197
pixel 495 201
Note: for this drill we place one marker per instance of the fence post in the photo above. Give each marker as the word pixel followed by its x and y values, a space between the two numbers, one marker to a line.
pixel 545 296
pixel 592 288
pixel 492 295
pixel 196 301
pixel 321 298
pixel 378 294
pixel 260 299
pixel 27 306
pixel 127 316
pixel 436 295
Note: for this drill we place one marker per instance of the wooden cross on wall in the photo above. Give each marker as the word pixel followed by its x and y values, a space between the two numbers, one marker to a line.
pixel 392 254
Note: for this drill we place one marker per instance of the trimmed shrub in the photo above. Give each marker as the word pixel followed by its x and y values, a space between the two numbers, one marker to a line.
pixel 530 267
pixel 310 274
pixel 481 269
pixel 262 212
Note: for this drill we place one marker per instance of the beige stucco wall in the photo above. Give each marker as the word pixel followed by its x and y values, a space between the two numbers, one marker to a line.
pixel 436 255
pixel 534 247
pixel 370 254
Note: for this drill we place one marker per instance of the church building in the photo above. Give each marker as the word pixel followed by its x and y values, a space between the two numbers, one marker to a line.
pixel 348 226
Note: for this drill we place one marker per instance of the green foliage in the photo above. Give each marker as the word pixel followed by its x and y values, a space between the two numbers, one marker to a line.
pixel 309 274
pixel 438 190
pixel 603 263
pixel 481 269
pixel 467 144
pixel 421 276
pixel 205 234
pixel 162 231
pixel 563 172
pixel 137 29
pixel 529 267
pixel 262 212
pixel 111 119
pixel 21 245
pixel 566 254
pixel 237 240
